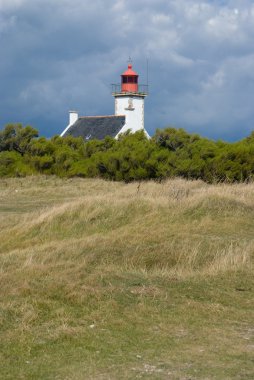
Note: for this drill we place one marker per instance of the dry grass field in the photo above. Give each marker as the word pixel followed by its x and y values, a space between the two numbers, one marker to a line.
pixel 103 280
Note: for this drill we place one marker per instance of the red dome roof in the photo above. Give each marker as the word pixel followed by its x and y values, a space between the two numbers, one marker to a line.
pixel 130 72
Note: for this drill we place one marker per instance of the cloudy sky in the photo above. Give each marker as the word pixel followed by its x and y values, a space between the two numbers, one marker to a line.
pixel 58 55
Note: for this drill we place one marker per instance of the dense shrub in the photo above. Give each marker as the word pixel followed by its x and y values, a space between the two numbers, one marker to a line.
pixel 171 152
pixel 16 138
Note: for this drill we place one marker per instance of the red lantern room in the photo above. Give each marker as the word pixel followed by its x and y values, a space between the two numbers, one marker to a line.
pixel 129 80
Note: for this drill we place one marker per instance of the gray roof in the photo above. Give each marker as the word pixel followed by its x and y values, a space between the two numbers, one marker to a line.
pixel 96 127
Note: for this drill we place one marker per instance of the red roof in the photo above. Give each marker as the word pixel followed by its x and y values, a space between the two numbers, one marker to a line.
pixel 130 72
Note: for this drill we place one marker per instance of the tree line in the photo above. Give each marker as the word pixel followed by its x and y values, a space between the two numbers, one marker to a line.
pixel 169 153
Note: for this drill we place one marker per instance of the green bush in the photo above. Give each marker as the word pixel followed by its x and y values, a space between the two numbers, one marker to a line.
pixel 171 152
pixel 12 164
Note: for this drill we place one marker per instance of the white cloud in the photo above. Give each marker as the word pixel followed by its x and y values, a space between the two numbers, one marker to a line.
pixel 8 5
pixel 216 80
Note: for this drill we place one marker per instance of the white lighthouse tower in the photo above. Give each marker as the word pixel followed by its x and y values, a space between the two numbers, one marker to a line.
pixel 129 112
pixel 130 101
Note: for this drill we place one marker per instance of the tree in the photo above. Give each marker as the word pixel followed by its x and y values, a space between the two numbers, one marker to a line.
pixel 15 137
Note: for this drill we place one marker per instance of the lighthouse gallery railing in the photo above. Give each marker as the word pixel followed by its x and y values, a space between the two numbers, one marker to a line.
pixel 142 89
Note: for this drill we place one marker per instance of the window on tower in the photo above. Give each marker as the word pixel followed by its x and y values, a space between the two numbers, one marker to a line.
pixel 130 80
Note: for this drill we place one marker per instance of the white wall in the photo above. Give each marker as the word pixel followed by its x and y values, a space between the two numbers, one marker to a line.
pixel 133 109
pixel 73 117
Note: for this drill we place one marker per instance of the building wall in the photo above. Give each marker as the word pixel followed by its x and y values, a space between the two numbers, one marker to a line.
pixel 73 117
pixel 133 109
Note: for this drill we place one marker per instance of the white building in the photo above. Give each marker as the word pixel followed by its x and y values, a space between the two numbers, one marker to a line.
pixel 129 112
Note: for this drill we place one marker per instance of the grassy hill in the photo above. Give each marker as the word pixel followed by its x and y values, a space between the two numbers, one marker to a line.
pixel 103 280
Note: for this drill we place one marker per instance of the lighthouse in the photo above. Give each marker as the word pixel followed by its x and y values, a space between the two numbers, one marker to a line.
pixel 129 112
pixel 130 101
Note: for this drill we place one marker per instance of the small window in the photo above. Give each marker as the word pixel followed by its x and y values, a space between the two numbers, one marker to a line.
pixel 132 79
pixel 129 79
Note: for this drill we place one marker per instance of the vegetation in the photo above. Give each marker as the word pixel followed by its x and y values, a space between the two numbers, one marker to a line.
pixel 170 153
pixel 107 280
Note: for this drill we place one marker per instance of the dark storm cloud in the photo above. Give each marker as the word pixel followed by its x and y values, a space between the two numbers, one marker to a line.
pixel 64 54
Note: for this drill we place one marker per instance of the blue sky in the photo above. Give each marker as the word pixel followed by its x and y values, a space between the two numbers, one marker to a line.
pixel 58 55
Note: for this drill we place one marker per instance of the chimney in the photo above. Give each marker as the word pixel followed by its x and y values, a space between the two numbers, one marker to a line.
pixel 73 117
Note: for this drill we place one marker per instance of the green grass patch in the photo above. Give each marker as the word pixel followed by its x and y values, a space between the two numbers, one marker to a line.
pixel 107 282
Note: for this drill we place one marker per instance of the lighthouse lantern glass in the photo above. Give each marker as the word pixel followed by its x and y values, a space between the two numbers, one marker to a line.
pixel 129 80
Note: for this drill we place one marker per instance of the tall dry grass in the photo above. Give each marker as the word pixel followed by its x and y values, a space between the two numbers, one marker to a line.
pixel 179 227
pixel 104 280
